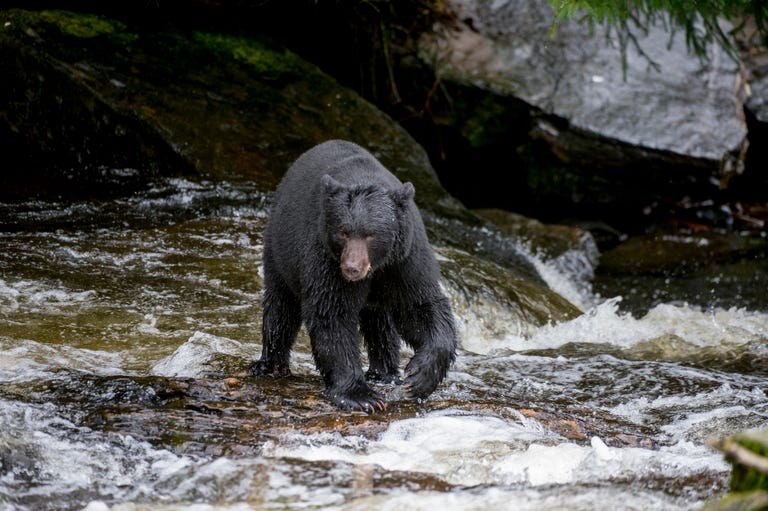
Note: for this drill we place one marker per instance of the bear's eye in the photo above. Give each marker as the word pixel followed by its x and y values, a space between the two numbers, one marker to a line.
pixel 342 234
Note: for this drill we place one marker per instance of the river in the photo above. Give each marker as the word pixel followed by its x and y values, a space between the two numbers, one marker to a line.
pixel 128 326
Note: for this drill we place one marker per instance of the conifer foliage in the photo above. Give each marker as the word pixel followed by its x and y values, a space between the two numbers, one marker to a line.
pixel 700 20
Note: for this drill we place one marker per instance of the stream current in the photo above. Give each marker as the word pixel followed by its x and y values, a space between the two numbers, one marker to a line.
pixel 114 395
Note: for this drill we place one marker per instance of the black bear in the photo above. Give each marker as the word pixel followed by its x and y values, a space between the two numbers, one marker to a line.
pixel 345 251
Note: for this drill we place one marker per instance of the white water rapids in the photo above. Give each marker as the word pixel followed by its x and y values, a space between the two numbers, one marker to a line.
pixel 85 291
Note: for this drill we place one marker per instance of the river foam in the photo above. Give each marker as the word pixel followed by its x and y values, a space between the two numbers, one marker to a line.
pixel 605 324
pixel 486 451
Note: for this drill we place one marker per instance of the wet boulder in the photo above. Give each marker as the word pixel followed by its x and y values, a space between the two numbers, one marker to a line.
pixel 91 104
pixel 707 269
pixel 754 54
pixel 756 62
pixel 621 130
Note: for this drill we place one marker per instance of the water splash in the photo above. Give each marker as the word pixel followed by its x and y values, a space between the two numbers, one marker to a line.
pixel 669 332
pixel 570 274
pixel 491 451
pixel 39 447
pixel 201 355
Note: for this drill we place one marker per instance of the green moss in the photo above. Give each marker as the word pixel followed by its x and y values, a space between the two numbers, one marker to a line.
pixel 486 123
pixel 81 25
pixel 745 478
pixel 258 56
pixel 51 24
pixel 741 501
pixel 483 119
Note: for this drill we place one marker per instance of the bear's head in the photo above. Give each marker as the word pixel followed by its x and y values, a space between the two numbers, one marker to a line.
pixel 366 226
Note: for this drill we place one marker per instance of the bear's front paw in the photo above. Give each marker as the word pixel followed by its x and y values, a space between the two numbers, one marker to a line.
pixel 420 381
pixel 357 397
pixel 266 368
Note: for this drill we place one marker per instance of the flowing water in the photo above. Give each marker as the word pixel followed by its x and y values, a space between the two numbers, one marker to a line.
pixel 127 327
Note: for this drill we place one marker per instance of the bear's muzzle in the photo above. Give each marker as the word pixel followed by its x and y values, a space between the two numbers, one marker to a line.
pixel 355 264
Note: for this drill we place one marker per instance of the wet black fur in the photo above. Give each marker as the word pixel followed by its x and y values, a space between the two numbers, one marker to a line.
pixel 338 186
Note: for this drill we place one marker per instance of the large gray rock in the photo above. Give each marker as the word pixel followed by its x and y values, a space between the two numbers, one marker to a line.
pixel 688 109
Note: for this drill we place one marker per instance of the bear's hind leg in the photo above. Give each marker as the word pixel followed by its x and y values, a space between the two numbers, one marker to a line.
pixel 383 344
pixel 279 328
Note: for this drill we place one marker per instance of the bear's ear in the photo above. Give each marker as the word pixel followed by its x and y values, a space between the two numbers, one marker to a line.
pixel 403 194
pixel 330 184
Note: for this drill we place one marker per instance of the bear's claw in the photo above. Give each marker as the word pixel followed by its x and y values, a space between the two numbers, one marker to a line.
pixel 360 397
pixel 419 383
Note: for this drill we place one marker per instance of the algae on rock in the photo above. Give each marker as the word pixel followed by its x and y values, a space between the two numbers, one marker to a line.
pixel 748 453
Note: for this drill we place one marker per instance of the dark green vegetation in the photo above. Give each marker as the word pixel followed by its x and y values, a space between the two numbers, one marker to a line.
pixel 700 20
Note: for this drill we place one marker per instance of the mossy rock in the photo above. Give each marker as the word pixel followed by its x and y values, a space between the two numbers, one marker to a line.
pixel 745 478
pixel 85 95
pixel 551 241
pixel 742 501
pixel 493 302
pixel 748 453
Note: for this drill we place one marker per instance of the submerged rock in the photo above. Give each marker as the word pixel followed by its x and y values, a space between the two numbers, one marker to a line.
pixel 492 302
pixel 238 415
pixel 710 268
pixel 571 251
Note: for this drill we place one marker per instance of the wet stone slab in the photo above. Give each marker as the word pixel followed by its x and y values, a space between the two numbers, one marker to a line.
pixel 235 415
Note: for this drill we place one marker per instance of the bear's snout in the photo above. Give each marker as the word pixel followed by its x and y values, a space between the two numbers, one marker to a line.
pixel 355 264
